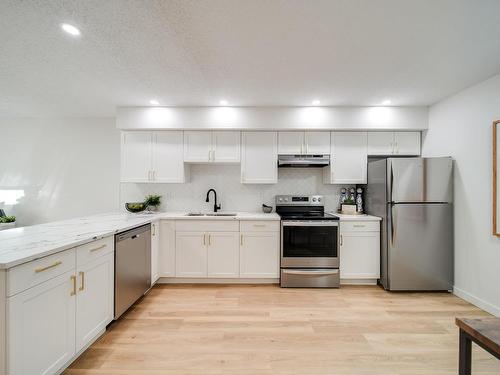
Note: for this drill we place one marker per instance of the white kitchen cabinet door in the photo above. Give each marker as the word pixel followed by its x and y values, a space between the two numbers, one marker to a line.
pixel 94 298
pixel 226 147
pixel 317 143
pixel 41 330
pixel 380 143
pixel 407 143
pixel 155 251
pixel 291 143
pixel 223 254
pixel 360 255
pixel 168 158
pixel 166 256
pixel 259 158
pixel 136 151
pixel 348 160
pixel 191 254
pixel 259 254
pixel 197 146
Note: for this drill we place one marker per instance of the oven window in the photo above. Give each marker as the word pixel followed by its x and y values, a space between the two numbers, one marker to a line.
pixel 310 241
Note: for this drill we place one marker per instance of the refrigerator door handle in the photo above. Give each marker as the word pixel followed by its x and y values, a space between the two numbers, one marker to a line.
pixel 393 226
pixel 391 184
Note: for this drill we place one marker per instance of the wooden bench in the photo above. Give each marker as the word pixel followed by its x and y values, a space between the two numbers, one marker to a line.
pixel 484 332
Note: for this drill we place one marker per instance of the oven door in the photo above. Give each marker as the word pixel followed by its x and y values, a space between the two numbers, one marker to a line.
pixel 309 244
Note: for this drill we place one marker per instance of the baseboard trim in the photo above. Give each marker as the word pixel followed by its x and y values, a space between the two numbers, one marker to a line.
pixel 195 280
pixel 358 281
pixel 482 304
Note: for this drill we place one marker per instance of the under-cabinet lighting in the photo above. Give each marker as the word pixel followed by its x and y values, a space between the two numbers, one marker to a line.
pixel 154 102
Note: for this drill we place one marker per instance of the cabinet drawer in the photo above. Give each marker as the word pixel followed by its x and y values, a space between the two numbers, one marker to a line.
pixel 207 226
pixel 359 226
pixel 259 226
pixel 94 249
pixel 36 272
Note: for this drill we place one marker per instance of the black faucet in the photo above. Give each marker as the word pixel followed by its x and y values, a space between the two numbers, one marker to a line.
pixel 216 207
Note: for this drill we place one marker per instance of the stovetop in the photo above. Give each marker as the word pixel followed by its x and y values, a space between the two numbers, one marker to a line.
pixel 308 217
pixel 302 207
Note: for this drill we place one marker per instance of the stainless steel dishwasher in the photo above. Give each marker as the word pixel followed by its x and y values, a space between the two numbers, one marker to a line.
pixel 132 267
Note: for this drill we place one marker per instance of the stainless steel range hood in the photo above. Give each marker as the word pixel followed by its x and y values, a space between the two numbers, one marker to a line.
pixel 303 161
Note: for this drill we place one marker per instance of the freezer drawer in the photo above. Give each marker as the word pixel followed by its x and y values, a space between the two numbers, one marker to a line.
pixel 419 247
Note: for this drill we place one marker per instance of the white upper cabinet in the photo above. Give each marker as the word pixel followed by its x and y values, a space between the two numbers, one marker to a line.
pixel 394 143
pixel 407 143
pixel 303 143
pixel 211 146
pixel 290 143
pixel 153 157
pixel 226 147
pixel 168 162
pixel 348 159
pixel 136 156
pixel 317 143
pixel 259 157
pixel 197 146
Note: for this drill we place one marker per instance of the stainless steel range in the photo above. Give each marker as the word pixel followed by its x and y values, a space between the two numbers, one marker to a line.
pixel 309 242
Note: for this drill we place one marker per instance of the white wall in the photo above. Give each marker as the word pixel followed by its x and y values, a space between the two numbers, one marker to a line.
pixel 233 195
pixel 460 126
pixel 273 118
pixel 65 167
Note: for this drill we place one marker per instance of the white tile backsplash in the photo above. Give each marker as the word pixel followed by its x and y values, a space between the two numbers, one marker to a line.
pixel 231 193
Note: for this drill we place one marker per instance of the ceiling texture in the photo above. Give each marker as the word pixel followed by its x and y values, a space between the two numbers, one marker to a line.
pixel 252 53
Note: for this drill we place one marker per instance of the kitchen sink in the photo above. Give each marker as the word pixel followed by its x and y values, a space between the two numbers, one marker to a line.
pixel 210 214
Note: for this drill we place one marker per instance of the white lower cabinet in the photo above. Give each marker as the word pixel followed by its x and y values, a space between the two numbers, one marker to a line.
pixel 166 250
pixel 223 258
pixel 155 251
pixel 190 254
pixel 67 303
pixel 259 254
pixel 41 327
pixel 359 252
pixel 94 298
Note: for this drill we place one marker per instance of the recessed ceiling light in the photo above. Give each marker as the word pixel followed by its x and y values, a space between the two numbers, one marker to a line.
pixel 386 102
pixel 223 102
pixel 154 102
pixel 316 102
pixel 70 29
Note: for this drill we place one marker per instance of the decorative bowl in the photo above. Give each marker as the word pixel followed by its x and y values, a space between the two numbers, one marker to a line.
pixel 267 209
pixel 135 207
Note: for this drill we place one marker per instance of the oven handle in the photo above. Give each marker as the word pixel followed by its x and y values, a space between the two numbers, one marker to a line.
pixel 310 223
pixel 311 272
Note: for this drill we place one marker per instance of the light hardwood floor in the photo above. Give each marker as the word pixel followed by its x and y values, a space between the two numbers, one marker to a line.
pixel 216 329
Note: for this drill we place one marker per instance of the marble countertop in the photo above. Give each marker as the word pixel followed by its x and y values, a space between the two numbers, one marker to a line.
pixel 24 244
pixel 343 217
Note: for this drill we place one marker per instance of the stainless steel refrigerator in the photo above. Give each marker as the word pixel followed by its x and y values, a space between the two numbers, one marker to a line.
pixel 414 197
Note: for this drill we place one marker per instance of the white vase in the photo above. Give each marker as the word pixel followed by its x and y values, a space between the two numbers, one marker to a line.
pixel 7 225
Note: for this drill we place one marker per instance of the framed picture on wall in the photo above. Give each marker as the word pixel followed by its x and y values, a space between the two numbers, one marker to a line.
pixel 496 177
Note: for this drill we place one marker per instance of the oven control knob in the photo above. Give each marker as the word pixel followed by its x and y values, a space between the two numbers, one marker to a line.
pixel 319 199
pixel 286 199
pixel 280 199
pixel 314 200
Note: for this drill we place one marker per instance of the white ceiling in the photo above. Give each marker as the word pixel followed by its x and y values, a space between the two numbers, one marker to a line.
pixel 253 52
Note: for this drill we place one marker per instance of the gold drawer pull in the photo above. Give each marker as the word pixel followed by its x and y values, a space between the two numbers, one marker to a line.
pixel 259 225
pixel 82 286
pixel 58 263
pixel 241 240
pixel 73 280
pixel 359 225
pixel 97 248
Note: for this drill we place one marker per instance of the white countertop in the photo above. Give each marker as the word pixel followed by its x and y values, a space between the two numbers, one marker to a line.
pixel 343 217
pixel 24 244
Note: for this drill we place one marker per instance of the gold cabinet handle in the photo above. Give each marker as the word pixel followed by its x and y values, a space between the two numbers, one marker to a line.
pixel 82 278
pixel 97 248
pixel 209 240
pixel 341 240
pixel 154 230
pixel 204 239
pixel 241 239
pixel 259 225
pixel 58 263
pixel 73 280
pixel 359 225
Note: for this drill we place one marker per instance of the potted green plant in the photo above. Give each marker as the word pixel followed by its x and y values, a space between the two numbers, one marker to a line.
pixel 348 207
pixel 152 202
pixel 7 222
